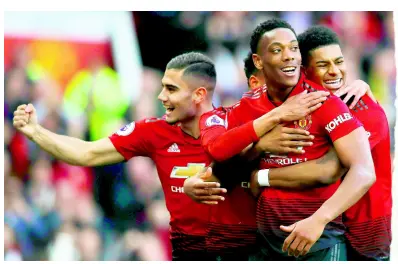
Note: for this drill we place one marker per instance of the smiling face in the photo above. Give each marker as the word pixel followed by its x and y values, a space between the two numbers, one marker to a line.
pixel 279 58
pixel 177 97
pixel 326 67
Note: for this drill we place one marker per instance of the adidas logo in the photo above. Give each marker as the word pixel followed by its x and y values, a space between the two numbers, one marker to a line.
pixel 173 148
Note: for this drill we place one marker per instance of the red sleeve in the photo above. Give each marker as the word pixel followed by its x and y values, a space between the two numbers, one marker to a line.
pixel 134 139
pixel 336 118
pixel 373 118
pixel 221 144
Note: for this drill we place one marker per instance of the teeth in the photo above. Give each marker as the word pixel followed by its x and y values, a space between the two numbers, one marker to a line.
pixel 289 69
pixel 333 82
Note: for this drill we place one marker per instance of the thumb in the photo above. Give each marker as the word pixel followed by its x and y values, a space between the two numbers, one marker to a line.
pixel 288 228
pixel 207 173
pixel 30 109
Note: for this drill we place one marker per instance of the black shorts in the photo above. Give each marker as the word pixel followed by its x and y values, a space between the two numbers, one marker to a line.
pixel 353 255
pixel 234 257
pixel 192 256
pixel 206 256
pixel 337 252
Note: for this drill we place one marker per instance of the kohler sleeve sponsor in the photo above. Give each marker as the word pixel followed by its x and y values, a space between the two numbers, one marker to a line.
pixel 337 121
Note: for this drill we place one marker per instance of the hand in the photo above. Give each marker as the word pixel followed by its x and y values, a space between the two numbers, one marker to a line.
pixel 357 89
pixel 304 235
pixel 201 191
pixel 281 140
pixel 25 120
pixel 299 106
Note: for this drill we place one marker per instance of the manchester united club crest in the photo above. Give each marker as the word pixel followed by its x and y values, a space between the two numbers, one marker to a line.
pixel 304 123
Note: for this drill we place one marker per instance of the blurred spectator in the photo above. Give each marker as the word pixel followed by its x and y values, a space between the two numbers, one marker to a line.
pixel 89 244
pixel 11 250
pixel 94 96
pixel 63 247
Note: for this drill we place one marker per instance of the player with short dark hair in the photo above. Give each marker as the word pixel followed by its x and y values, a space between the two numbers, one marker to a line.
pixel 277 55
pixel 368 222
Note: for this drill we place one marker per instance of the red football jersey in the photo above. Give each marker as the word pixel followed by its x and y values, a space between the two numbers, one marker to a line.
pixel 232 224
pixel 177 156
pixel 284 206
pixel 369 220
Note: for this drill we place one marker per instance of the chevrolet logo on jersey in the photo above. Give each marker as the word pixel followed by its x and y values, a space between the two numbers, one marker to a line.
pixel 188 171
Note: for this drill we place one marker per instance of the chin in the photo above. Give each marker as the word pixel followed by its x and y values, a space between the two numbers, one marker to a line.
pixel 171 121
pixel 291 82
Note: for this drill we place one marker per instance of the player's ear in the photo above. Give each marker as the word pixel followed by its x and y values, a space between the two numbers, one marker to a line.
pixel 253 82
pixel 199 95
pixel 257 61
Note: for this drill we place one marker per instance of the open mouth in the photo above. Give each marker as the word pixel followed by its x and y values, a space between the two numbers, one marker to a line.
pixel 169 110
pixel 333 84
pixel 289 70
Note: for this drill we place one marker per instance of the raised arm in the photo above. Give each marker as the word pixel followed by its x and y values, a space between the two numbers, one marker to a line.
pixel 68 149
pixel 224 144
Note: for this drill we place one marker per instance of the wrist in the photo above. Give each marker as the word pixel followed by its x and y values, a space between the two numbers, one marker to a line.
pixel 263 178
pixel 258 149
pixel 35 132
pixel 266 122
pixel 321 217
pixel 277 115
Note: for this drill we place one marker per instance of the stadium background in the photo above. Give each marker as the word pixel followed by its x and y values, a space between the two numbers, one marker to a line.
pixel 88 74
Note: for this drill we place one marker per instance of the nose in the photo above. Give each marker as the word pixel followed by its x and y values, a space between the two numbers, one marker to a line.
pixel 162 95
pixel 333 69
pixel 287 55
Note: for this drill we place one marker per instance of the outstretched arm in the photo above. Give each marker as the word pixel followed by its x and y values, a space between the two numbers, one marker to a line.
pixel 68 149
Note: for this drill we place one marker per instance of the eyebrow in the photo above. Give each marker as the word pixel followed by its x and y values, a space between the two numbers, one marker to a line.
pixel 278 43
pixel 326 61
pixel 169 86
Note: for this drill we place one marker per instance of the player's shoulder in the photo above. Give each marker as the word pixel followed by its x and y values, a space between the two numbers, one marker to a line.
pixel 219 111
pixel 214 117
pixel 249 96
pixel 155 125
pixel 366 104
pixel 139 125
pixel 255 93
pixel 311 86
pixel 152 121
pixel 314 87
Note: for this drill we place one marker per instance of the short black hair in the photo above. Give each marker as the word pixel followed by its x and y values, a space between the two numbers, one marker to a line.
pixel 315 37
pixel 195 64
pixel 249 66
pixel 264 27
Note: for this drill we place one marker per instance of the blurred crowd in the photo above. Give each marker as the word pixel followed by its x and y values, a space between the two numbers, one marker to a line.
pixel 55 211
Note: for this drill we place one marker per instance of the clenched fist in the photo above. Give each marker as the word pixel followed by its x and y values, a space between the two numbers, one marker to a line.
pixel 25 119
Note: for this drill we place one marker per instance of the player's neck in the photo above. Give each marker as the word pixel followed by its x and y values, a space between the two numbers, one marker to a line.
pixel 191 127
pixel 278 95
